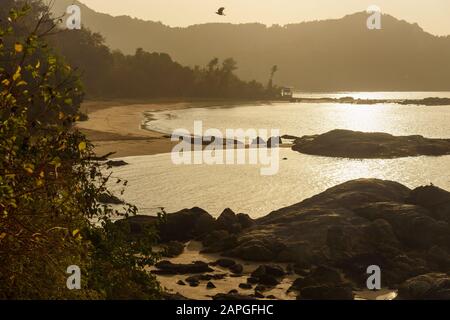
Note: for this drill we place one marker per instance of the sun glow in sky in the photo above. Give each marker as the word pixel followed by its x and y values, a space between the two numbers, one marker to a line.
pixel 432 15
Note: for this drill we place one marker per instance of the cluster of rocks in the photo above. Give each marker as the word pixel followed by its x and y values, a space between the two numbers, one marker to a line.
pixel 168 268
pixel 352 144
pixel 272 142
pixel 230 264
pixel 330 239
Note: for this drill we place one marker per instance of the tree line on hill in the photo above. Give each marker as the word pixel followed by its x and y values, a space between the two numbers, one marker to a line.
pixel 112 74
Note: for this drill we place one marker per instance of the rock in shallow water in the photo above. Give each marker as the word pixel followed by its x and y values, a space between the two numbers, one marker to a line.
pixel 353 144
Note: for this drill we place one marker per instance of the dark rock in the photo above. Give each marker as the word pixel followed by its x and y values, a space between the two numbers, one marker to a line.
pixel 268 274
pixel 260 288
pixel 167 267
pixel 205 277
pixel 246 286
pixel 254 250
pixel 181 226
pixel 173 296
pixel 109 199
pixel 116 163
pixel 219 241
pixel 181 283
pixel 259 295
pixel 237 269
pixel 436 200
pixel 214 237
pixel 244 220
pixel 268 280
pixel 269 269
pixel 407 222
pixel 210 285
pixel 352 144
pixel 228 221
pixel 173 249
pixel 271 297
pixel 274 142
pixel 432 286
pixel 252 280
pixel 325 292
pixel 322 275
pixel 289 137
pixel 224 263
pixel 233 291
pixel 258 141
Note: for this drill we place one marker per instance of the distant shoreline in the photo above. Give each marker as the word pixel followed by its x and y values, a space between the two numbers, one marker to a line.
pixel 430 101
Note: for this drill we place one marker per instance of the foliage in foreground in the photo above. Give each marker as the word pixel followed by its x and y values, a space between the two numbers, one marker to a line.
pixel 50 216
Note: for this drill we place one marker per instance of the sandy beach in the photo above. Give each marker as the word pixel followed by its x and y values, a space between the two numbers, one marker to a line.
pixel 116 126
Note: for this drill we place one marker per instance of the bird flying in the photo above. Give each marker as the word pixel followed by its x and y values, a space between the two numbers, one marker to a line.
pixel 220 12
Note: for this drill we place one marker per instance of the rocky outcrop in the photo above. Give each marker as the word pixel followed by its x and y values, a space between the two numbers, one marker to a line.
pixel 172 249
pixel 432 286
pixel 181 226
pixel 330 240
pixel 352 144
pixel 189 224
pixel 436 200
pixel 352 226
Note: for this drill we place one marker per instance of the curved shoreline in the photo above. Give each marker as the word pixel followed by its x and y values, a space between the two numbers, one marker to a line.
pixel 119 127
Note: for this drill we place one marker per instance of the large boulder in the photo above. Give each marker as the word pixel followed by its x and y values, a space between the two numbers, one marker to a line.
pixel 269 269
pixel 321 275
pixel 436 200
pixel 408 221
pixel 432 286
pixel 184 225
pixel 233 223
pixel 254 250
pixel 219 241
pixel 228 221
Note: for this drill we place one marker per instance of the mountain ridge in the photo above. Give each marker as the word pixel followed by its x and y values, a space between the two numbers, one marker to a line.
pixel 321 55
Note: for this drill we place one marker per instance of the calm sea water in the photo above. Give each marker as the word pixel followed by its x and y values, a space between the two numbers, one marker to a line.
pixel 154 181
pixel 315 118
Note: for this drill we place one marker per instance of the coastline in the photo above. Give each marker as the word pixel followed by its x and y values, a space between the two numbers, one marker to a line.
pixel 116 126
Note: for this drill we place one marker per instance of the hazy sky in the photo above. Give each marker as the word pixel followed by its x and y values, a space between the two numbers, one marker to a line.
pixel 431 15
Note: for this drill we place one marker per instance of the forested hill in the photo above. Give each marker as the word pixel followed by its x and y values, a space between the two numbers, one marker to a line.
pixel 330 55
pixel 112 74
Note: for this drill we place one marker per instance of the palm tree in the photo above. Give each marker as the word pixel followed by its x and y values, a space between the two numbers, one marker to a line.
pixel 272 74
